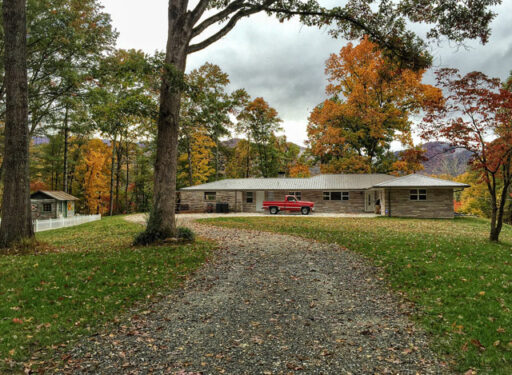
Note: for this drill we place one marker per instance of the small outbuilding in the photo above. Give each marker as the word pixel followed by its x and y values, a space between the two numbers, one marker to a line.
pixel 52 204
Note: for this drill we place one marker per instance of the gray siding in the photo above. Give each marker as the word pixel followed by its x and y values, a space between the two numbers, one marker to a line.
pixel 38 206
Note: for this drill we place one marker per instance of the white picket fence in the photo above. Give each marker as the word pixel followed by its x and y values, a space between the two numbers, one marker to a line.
pixel 49 224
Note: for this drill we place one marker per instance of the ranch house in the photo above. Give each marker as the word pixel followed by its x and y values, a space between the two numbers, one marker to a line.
pixel 415 195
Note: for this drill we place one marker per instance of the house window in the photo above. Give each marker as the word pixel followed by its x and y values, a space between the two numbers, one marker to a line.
pixel 297 194
pixel 249 197
pixel 210 196
pixel 418 195
pixel 336 196
pixel 47 207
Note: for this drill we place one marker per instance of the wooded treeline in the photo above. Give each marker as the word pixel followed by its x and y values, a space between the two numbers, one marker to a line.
pixel 93 111
pixel 107 120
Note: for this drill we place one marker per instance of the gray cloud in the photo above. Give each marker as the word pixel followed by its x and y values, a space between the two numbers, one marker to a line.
pixel 284 62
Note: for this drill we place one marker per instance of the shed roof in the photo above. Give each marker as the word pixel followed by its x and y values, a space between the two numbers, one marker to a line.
pixel 419 180
pixel 58 195
pixel 321 182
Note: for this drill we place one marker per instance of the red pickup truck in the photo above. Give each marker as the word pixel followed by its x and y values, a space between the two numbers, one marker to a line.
pixel 290 203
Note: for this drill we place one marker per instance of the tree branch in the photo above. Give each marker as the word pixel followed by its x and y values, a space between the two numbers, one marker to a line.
pixel 226 29
pixel 231 8
pixel 196 14
pixel 340 15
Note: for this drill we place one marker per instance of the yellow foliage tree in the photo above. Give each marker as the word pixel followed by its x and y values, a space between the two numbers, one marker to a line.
pixel 198 158
pixel 93 173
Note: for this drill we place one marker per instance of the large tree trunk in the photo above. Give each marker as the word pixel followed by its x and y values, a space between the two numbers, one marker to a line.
pixel 162 219
pixel 16 207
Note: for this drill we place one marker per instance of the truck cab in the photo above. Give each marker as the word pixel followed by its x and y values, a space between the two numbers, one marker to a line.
pixel 291 204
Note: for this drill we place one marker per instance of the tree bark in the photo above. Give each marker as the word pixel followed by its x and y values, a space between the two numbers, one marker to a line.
pixel 494 217
pixel 112 166
pixel 66 136
pixel 16 208
pixel 119 155
pixel 162 218
pixel 126 201
pixel 189 161
pixel 217 161
pixel 498 214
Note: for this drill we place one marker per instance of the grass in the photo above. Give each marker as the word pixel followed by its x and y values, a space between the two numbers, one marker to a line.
pixel 90 277
pixel 461 283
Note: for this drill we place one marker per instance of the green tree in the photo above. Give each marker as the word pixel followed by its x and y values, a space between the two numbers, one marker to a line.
pixel 66 39
pixel 121 100
pixel 259 122
pixel 206 107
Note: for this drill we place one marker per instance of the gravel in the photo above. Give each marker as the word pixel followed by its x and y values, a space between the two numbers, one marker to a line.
pixel 266 304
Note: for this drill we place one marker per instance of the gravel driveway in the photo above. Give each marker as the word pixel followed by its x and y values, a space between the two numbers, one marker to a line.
pixel 267 304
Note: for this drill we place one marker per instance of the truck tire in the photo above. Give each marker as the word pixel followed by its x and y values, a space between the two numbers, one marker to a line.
pixel 304 210
pixel 274 210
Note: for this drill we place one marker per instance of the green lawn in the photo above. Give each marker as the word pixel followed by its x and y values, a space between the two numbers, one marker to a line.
pixel 460 283
pixel 91 276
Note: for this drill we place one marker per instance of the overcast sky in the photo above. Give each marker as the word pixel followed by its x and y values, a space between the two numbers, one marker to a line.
pixel 284 62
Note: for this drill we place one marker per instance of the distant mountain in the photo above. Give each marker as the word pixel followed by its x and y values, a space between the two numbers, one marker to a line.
pixel 231 143
pixel 443 159
pixel 40 140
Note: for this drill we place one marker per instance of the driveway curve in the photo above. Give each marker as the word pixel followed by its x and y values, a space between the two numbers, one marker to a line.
pixel 267 304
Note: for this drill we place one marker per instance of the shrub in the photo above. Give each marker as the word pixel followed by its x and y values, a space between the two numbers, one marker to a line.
pixel 186 234
pixel 152 233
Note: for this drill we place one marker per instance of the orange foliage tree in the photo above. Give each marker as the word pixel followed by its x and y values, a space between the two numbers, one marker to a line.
pixel 299 170
pixel 371 99
pixel 410 161
pixel 93 173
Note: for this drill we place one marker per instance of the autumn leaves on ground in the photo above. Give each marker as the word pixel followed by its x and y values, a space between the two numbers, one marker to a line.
pixel 89 277
pixel 460 283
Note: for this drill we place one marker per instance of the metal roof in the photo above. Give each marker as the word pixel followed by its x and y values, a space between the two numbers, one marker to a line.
pixel 321 182
pixel 418 180
pixel 58 195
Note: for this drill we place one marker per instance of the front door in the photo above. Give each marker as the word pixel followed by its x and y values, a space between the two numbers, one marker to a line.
pixel 369 201
pixel 260 197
